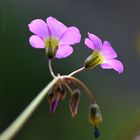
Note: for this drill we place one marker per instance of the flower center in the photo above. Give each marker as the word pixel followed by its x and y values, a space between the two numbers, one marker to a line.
pixel 51 42
pixel 98 57
pixel 94 59
pixel 51 45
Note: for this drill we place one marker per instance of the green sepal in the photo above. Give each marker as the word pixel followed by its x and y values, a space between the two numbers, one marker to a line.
pixel 93 60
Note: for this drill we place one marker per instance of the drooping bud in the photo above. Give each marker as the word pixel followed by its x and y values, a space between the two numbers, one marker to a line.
pixel 51 46
pixel 53 98
pixel 95 116
pixel 54 103
pixel 93 60
pixel 74 102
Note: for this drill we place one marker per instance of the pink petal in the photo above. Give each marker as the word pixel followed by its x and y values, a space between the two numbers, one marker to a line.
pixel 70 36
pixel 89 43
pixel 113 64
pixel 107 51
pixel 64 51
pixel 96 42
pixel 56 28
pixel 39 27
pixel 36 42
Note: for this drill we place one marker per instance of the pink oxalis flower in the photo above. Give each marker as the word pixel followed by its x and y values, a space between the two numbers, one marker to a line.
pixel 103 54
pixel 56 39
pixel 55 35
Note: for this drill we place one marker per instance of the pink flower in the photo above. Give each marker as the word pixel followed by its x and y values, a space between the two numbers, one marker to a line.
pixel 103 54
pixel 55 34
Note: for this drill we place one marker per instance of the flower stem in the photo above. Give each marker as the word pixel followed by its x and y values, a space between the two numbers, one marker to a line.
pixel 50 68
pixel 13 129
pixel 91 97
pixel 67 86
pixel 77 71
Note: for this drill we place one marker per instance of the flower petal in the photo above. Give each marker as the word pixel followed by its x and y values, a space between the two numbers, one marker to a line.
pixel 64 51
pixel 56 28
pixel 96 42
pixel 36 42
pixel 71 36
pixel 113 64
pixel 89 43
pixel 39 27
pixel 107 51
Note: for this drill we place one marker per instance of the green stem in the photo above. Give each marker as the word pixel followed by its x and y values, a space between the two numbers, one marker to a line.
pixel 77 71
pixel 13 129
pixel 50 68
pixel 91 97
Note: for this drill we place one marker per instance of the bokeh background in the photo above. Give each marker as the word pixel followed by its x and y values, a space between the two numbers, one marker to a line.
pixel 24 71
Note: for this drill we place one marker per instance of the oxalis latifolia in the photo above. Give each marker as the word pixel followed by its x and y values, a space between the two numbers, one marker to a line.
pixel 57 40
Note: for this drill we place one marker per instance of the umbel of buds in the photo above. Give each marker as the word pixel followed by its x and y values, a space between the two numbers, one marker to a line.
pixel 70 85
pixel 59 92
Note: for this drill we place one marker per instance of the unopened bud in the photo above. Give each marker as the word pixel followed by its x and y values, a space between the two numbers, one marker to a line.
pixel 74 102
pixel 54 104
pixel 93 60
pixel 95 116
pixel 53 98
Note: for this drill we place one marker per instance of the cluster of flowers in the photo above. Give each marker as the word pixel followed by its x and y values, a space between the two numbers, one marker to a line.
pixel 56 39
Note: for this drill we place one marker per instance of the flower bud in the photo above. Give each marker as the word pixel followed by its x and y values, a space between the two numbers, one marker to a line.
pixel 95 116
pixel 93 60
pixel 74 102
pixel 51 45
pixel 53 98
pixel 54 103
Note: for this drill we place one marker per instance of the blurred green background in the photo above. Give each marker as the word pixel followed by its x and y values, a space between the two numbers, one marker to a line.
pixel 24 71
